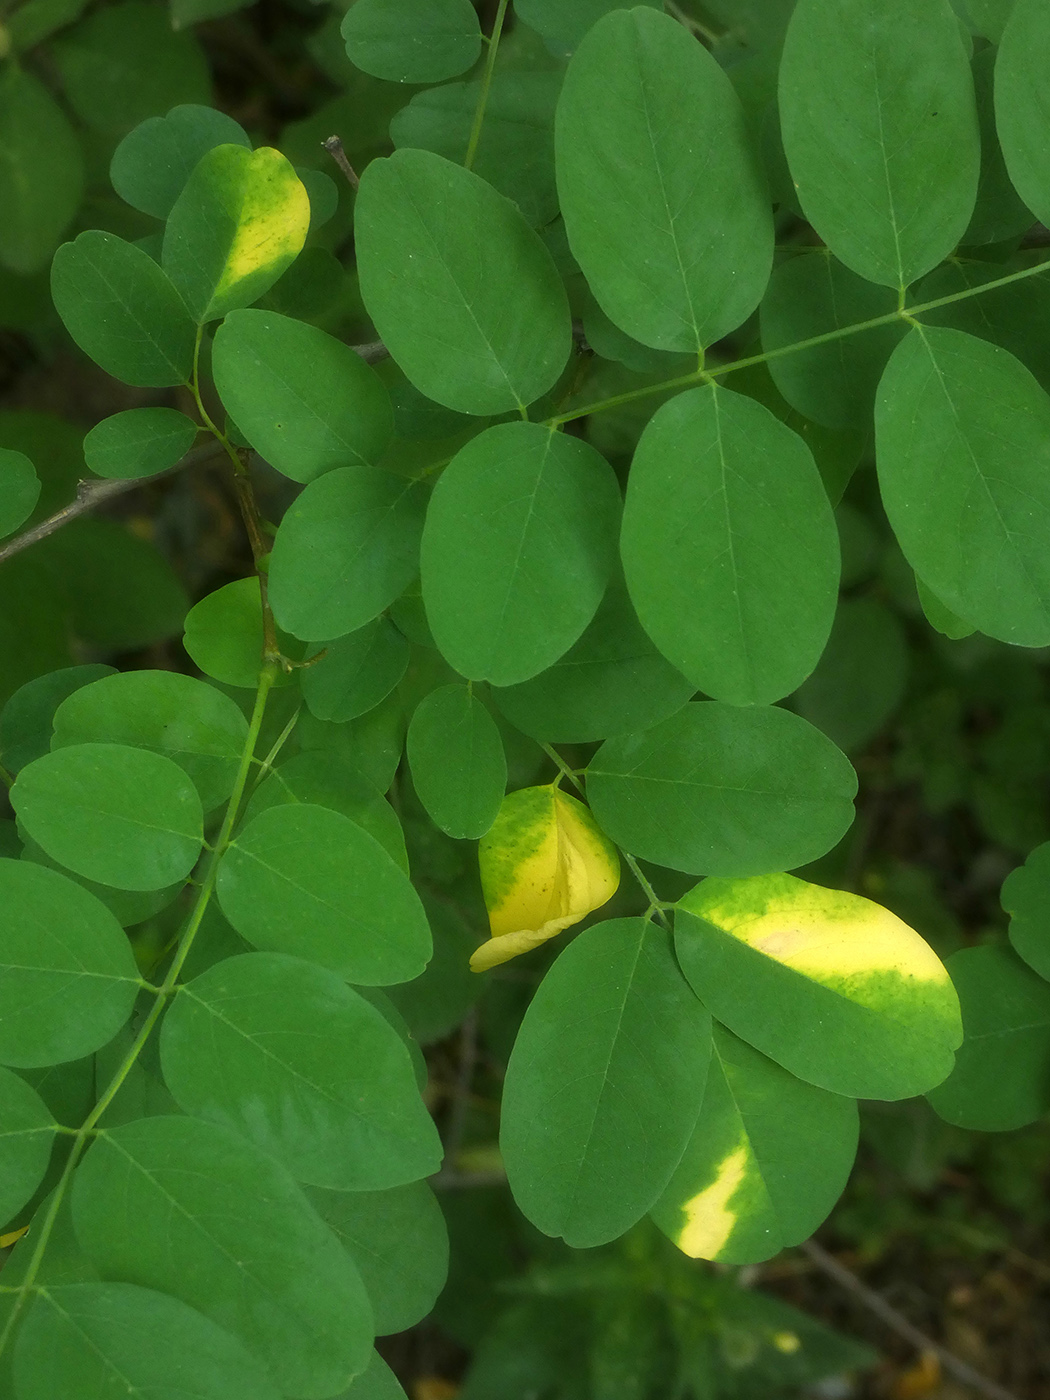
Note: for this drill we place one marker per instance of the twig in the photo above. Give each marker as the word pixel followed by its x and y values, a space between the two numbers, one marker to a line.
pixel 876 1304
pixel 93 493
pixel 334 147
pixel 486 83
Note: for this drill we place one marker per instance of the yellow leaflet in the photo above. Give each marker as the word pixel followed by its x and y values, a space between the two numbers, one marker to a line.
pixel 545 865
pixel 821 933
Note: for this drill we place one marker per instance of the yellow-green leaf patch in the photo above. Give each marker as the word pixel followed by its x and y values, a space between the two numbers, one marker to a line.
pixel 833 987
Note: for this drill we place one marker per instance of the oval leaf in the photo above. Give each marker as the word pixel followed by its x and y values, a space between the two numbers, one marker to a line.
pixel 968 499
pixel 122 816
pixel 139 442
pixel 345 550
pixel 27 1135
pixel 1026 898
pixel 357 672
pixel 19 489
pixel 241 1244
pixel 152 164
pixel 535 513
pixel 1022 103
pixel 398 1241
pixel 459 769
pixel 42 175
pixel 224 635
pixel 412 41
pixel 309 881
pixel 767 1160
pixel 304 400
pixel 545 865
pixel 63 950
pixel 722 791
pixel 879 122
pixel 1001 1078
pixel 604 1084
pixel 186 720
pixel 729 546
pixel 286 1054
pixel 833 987
pixel 461 290
pixel 239 221
pixel 123 311
pixel 664 201
pixel 611 681
pixel 79 1338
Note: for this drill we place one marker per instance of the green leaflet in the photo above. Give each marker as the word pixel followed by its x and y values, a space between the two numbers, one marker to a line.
pixel 880 130
pixel 860 679
pixel 517 550
pixel 139 442
pixel 242 1245
pixel 398 1241
pixel 304 400
pixel 41 171
pixel 332 779
pixel 27 718
pixel 613 680
pixel 186 720
pixel 1022 103
pixel 62 949
pixel 412 41
pixel 963 446
pixel 123 311
pixel 833 987
pixel 376 1382
pixel 125 63
pixel 1026 898
pixel 308 881
pixel 663 199
pixel 19 490
pixel 224 635
pixel 79 1336
pixel 357 672
pixel 119 815
pixel 459 769
pixel 345 550
pixel 461 290
pixel 27 1134
pixel 152 164
pixel 604 1083
pixel 1002 1069
pixel 563 23
pixel 729 546
pixel 239 221
pixel 768 1158
pixel 515 151
pixel 719 790
pixel 999 213
pixel 285 1054
pixel 833 384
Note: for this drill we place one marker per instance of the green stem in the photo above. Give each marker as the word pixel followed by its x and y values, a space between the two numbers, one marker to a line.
pixel 562 767
pixel 266 679
pixel 486 83
pixel 684 381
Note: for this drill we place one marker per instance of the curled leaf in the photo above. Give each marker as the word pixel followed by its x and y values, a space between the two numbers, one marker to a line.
pixel 545 865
